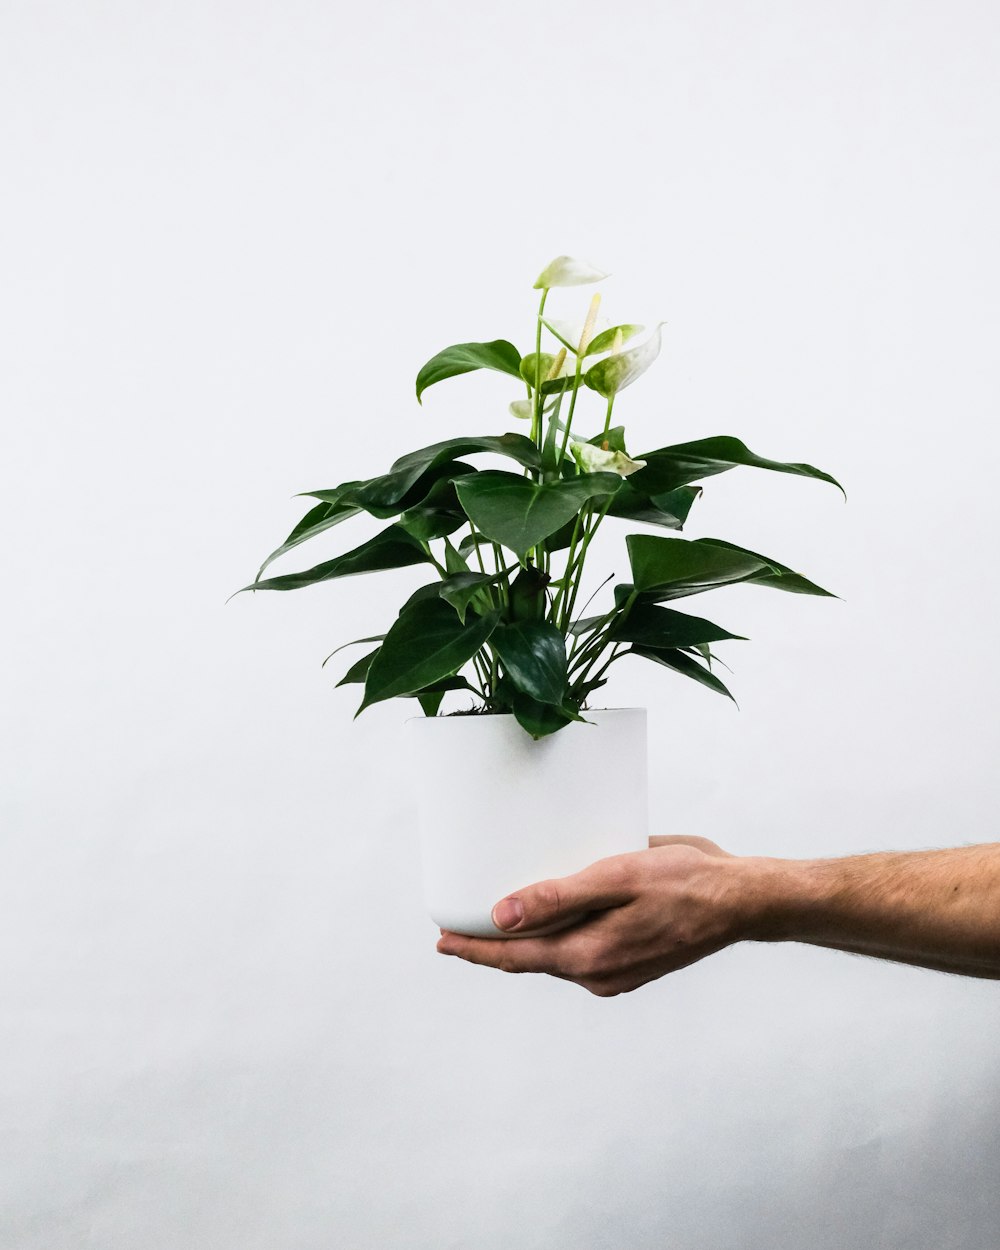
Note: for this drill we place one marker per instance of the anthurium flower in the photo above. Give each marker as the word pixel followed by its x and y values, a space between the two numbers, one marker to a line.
pixel 593 459
pixel 620 369
pixel 531 369
pixel 569 332
pixel 565 271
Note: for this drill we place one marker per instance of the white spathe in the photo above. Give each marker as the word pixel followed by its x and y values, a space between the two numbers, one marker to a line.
pixel 514 812
pixel 567 271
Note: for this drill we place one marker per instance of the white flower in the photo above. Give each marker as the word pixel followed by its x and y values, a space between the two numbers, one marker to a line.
pixel 615 372
pixel 593 459
pixel 570 332
pixel 523 409
pixel 565 271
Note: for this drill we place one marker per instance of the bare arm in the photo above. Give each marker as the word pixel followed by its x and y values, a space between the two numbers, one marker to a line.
pixel 640 916
pixel 936 909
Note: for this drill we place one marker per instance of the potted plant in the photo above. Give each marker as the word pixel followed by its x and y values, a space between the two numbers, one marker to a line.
pixel 506 618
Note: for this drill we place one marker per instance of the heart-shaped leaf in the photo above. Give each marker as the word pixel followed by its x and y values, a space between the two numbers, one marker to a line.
pixel 520 513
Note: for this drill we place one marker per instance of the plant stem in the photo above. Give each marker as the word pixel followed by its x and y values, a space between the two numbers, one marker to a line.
pixel 536 420
pixel 569 415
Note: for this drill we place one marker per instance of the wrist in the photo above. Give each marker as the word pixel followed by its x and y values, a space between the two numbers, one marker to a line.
pixel 773 897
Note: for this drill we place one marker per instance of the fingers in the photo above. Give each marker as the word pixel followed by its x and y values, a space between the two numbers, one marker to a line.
pixel 607 883
pixel 525 955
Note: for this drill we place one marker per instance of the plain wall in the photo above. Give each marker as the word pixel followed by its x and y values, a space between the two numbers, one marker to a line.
pixel 231 234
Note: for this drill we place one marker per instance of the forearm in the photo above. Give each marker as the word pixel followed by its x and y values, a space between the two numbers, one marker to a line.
pixel 935 909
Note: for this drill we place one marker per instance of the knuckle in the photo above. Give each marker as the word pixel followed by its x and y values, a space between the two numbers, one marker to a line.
pixel 546 898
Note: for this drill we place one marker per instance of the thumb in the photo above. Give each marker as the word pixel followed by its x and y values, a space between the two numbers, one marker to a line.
pixel 560 901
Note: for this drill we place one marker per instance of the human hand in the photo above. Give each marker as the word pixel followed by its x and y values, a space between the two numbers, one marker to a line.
pixel 638 916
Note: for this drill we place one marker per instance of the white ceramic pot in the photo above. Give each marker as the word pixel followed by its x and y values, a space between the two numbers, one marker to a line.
pixel 498 810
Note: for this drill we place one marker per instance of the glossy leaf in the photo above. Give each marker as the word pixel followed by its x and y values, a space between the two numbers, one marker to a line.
pixel 649 626
pixel 783 577
pixel 520 513
pixel 356 642
pixel 541 719
pixel 685 665
pixel 413 475
pixel 528 600
pixel 426 644
pixel 465 358
pixel 670 467
pixel 392 549
pixel 438 513
pixel 669 510
pixel 461 589
pixel 358 671
pixel 316 521
pixel 533 654
pixel 673 567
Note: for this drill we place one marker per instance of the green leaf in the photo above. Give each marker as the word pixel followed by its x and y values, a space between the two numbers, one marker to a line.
pixel 614 437
pixel 358 671
pixel 669 510
pixel 685 665
pixel 541 719
pixel 464 358
pixel 528 600
pixel 461 589
pixel 438 513
pixel 430 703
pixel 427 643
pixel 783 577
pixel 651 627
pixel 673 567
pixel 353 643
pixel 670 467
pixel 323 517
pixel 412 476
pixel 533 654
pixel 519 513
pixel 454 557
pixel 392 549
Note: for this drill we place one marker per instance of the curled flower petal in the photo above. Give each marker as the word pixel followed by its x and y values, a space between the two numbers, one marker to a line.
pixel 614 373
pixel 593 459
pixel 605 341
pixel 565 271
pixel 523 409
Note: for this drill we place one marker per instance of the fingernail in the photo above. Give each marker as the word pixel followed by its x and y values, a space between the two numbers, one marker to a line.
pixel 508 913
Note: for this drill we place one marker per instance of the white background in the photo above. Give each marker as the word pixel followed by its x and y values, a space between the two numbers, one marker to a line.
pixel 231 234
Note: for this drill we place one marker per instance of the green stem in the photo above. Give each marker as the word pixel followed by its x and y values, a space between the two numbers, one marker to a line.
pixel 607 419
pixel 569 415
pixel 536 420
pixel 588 538
pixel 430 554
